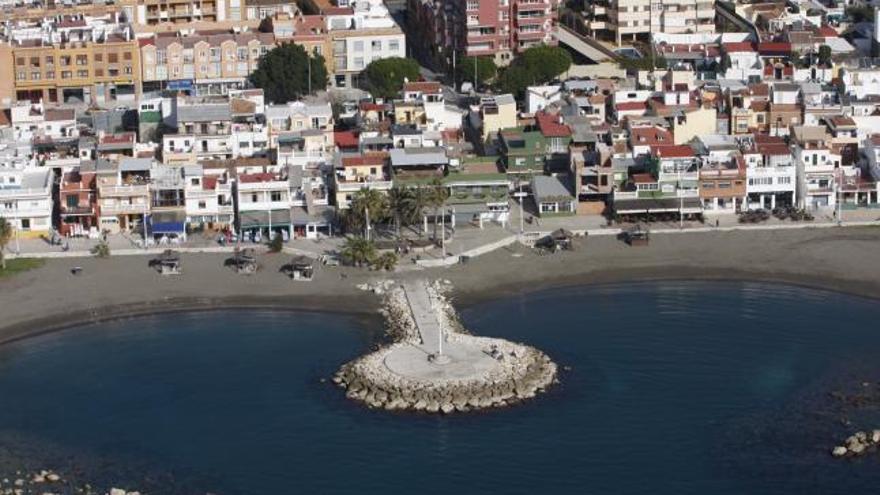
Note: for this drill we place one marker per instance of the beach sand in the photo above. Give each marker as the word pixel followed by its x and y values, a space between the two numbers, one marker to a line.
pixel 51 298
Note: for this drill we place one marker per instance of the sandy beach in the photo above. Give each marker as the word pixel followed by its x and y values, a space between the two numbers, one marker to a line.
pixel 50 298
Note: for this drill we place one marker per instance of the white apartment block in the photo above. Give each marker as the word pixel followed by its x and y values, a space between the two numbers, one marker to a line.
pixel 26 199
pixel 359 35
pixel 621 20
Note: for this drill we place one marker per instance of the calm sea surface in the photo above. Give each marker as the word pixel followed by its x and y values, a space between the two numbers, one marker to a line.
pixel 673 388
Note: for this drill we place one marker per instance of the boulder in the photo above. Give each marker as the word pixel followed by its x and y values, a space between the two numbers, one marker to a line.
pixel 117 491
pixel 838 451
pixel 875 436
pixel 53 477
pixel 857 448
pixel 447 408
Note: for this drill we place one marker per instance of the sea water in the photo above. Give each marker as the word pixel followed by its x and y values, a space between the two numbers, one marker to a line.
pixel 669 388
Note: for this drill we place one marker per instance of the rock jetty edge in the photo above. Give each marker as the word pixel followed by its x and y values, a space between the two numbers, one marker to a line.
pixel 520 372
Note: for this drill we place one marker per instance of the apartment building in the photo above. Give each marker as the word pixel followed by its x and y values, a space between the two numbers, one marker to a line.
pixel 26 200
pixel 497 28
pixel 203 62
pixel 632 19
pixel 358 35
pixel 152 12
pixel 817 167
pixel 74 59
pixel 34 120
pixel 214 128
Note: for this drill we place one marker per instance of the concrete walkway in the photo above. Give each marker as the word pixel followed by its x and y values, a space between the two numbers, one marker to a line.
pixel 423 313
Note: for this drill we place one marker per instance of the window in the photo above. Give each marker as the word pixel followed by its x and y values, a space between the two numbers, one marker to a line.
pixel 99 72
pixel 358 46
pixel 99 57
pixel 202 205
pixel 113 58
pixel 82 60
pixel 394 45
pixel 22 75
pixel 126 56
pixel 376 45
pixel 50 60
pixel 784 180
pixel 72 201
pixel 19 61
pixel 276 196
pixel 66 74
pixel 82 73
pixel 253 198
pixel 35 61
pixel 50 75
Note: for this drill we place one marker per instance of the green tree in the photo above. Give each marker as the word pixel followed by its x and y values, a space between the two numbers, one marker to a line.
pixel 276 244
pixel 386 261
pixel 437 196
pixel 101 250
pixel 399 204
pixel 860 13
pixel 385 76
pixel 283 73
pixel 825 55
pixel 358 251
pixel 484 67
pixel 5 236
pixel 515 79
pixel 367 207
pixel 546 62
pixel 419 199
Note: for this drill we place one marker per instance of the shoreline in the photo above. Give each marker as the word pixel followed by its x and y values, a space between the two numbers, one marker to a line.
pixel 124 287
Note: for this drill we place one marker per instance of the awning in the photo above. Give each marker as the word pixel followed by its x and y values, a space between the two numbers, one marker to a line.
pixel 320 216
pixel 658 205
pixel 259 219
pixel 167 222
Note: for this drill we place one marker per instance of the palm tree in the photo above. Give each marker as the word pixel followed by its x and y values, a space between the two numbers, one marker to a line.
pixel 358 251
pixel 437 196
pixel 399 203
pixel 367 206
pixel 386 261
pixel 5 237
pixel 418 201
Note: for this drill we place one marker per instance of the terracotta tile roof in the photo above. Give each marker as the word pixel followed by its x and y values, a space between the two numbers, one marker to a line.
pixel 209 183
pixel 676 151
pixel 643 178
pixel 358 161
pixel 774 48
pixel 827 31
pixel 740 47
pixel 422 87
pixel 550 126
pixel 773 149
pixel 260 177
pixel 346 139
pixel 759 106
pixel 631 105
pixel 651 136
pixel 367 106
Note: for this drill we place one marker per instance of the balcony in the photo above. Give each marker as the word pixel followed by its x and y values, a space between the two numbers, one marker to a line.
pixel 354 186
pixel 124 191
pixel 125 209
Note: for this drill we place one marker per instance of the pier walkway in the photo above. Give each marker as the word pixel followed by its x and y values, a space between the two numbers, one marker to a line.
pixel 423 313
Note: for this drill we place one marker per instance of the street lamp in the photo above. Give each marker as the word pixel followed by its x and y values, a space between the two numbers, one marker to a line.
pixel 521 196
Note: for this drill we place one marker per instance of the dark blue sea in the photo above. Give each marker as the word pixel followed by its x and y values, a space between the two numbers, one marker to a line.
pixel 672 388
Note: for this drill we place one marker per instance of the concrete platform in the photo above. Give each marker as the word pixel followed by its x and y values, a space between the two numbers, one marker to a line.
pixel 466 362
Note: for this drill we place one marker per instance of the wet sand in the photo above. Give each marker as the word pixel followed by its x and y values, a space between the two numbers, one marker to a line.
pixel 50 298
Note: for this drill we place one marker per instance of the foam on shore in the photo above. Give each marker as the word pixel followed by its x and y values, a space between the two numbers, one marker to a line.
pixel 497 372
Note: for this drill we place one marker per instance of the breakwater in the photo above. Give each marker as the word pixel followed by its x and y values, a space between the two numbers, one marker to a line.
pixel 458 372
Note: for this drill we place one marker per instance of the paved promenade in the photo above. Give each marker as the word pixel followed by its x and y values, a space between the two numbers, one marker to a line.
pixel 424 314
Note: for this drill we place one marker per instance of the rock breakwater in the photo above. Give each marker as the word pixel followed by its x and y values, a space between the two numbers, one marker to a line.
pixel 476 373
